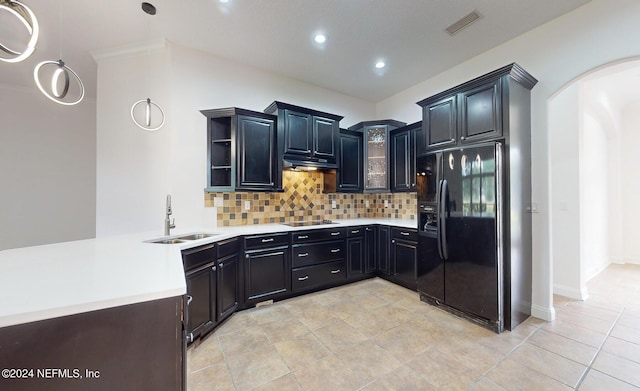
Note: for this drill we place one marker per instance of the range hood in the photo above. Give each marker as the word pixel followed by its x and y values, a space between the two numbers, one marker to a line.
pixel 291 163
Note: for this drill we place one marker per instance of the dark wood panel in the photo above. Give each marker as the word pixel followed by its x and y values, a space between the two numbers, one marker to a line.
pixel 133 347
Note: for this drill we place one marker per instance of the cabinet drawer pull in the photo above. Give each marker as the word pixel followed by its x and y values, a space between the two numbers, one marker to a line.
pixel 335 250
pixel 303 237
pixel 267 240
pixel 303 278
pixel 335 233
pixel 357 231
pixel 335 271
pixel 405 233
pixel 303 255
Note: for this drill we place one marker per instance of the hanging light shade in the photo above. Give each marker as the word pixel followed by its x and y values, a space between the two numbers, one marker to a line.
pixel 142 111
pixel 142 115
pixel 28 19
pixel 60 82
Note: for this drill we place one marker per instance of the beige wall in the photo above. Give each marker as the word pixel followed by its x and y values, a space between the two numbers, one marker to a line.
pixel 47 169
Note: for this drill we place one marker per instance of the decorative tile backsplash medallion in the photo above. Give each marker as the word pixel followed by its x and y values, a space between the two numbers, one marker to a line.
pixel 303 200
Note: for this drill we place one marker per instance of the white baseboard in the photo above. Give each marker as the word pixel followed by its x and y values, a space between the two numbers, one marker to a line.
pixel 544 313
pixel 622 261
pixel 578 294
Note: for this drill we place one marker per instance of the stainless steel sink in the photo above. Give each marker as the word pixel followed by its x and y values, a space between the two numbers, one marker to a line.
pixel 167 241
pixel 182 239
pixel 195 236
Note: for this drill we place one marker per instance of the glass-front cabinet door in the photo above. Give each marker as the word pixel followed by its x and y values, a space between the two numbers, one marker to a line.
pixel 376 152
pixel 377 158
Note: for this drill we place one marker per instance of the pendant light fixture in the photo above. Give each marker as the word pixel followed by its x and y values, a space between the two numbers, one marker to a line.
pixel 145 113
pixel 59 81
pixel 28 19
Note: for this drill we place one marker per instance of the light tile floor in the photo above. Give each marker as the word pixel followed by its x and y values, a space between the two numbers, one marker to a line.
pixel 374 335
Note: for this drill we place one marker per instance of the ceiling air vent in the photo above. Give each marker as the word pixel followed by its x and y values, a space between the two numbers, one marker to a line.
pixel 462 23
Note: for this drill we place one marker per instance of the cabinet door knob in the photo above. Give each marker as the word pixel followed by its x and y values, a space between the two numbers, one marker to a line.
pixel 214 268
pixel 189 299
pixel 221 265
pixel 393 241
pixel 453 140
pixel 247 256
pixel 189 337
pixel 462 138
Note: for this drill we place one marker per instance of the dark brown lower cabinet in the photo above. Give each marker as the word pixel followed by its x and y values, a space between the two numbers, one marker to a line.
pixel 384 239
pixel 228 286
pixel 267 268
pixel 132 347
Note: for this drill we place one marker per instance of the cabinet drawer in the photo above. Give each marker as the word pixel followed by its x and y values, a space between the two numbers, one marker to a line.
pixel 269 240
pixel 355 231
pixel 310 254
pixel 195 257
pixel 228 247
pixel 317 234
pixel 409 234
pixel 318 275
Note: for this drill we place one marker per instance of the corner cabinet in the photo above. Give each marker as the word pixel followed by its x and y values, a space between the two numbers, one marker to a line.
pixel 309 137
pixel 403 157
pixel 376 152
pixel 242 151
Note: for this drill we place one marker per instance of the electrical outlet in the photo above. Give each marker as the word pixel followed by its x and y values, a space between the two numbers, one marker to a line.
pixel 247 205
pixel 217 201
pixel 334 204
pixel 366 203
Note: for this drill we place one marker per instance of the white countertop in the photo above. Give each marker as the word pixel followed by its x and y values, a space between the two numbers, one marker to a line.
pixel 43 282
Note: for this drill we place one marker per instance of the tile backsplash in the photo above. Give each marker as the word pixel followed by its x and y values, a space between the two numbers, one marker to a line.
pixel 303 199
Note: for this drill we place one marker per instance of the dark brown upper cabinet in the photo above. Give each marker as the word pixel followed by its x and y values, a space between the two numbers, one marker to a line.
pixel 473 111
pixel 309 137
pixel 403 157
pixel 242 151
pixel 376 152
pixel 350 173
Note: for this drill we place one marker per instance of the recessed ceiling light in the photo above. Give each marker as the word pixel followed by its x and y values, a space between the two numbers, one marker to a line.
pixel 320 38
pixel 380 64
pixel 224 1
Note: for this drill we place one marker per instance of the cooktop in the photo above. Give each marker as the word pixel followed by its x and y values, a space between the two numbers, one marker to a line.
pixel 308 223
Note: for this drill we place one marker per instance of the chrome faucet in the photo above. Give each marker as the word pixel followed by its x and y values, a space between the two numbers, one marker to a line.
pixel 168 224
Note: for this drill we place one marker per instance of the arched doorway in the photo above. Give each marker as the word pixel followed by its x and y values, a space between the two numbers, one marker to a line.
pixel 592 140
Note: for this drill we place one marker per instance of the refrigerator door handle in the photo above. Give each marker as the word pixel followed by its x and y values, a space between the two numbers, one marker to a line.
pixel 439 225
pixel 444 191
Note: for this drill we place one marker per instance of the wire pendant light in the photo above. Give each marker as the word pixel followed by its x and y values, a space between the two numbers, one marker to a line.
pixel 142 111
pixel 61 79
pixel 28 19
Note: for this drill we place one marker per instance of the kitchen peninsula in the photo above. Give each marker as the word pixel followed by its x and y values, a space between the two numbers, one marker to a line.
pixel 94 304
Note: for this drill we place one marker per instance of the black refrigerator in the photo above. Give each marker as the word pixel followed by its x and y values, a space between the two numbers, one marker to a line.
pixel 460 247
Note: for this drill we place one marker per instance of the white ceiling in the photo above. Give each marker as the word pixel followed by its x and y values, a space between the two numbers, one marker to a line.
pixel 276 35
